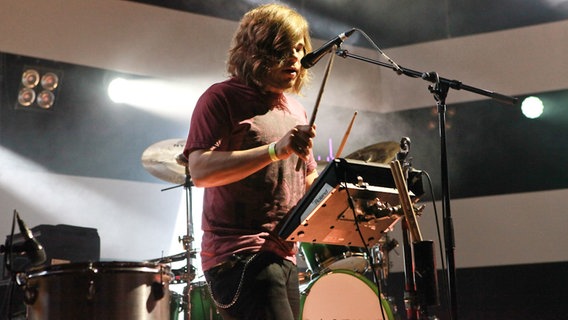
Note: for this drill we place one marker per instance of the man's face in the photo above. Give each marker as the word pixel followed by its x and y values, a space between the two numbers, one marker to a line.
pixel 282 76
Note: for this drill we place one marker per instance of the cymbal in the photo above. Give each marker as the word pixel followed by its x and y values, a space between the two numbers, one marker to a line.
pixel 382 152
pixel 160 160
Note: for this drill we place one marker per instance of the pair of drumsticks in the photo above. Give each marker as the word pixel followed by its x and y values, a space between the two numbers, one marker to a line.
pixel 396 169
pixel 316 107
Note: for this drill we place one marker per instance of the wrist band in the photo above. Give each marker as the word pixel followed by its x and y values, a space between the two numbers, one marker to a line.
pixel 272 152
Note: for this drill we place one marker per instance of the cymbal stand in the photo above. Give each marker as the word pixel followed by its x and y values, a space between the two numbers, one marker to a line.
pixel 187 241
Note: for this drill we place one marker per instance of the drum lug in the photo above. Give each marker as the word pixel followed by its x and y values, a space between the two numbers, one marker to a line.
pixel 158 290
pixel 30 295
pixel 21 279
pixel 91 291
pixel 305 292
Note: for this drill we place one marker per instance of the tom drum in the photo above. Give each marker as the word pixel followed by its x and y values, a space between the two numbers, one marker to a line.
pixel 98 290
pixel 202 304
pixel 324 257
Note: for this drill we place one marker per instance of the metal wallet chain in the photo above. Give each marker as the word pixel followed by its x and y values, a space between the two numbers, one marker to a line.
pixel 238 293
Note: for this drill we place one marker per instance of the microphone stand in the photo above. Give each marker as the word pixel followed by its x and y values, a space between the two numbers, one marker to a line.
pixel 6 250
pixel 187 241
pixel 440 90
pixel 410 292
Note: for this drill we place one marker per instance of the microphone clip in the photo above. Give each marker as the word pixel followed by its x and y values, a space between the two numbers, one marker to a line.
pixel 402 156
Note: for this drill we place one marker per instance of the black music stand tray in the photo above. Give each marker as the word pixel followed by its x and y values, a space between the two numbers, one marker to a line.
pixel 325 216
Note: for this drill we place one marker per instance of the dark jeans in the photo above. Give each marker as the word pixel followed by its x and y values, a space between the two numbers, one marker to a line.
pixel 265 287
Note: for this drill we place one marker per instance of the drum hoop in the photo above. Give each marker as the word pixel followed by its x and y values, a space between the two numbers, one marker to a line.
pixel 98 268
pixel 383 301
pixel 343 256
pixel 357 275
pixel 308 248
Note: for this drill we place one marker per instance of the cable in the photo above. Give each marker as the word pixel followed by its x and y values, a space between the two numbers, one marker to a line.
pixel 365 245
pixel 446 287
pixel 395 66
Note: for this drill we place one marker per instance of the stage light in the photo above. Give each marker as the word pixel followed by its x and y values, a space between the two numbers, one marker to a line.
pixel 117 89
pixel 49 81
pixel 172 99
pixel 532 107
pixel 45 99
pixel 38 88
pixel 30 78
pixel 147 92
pixel 26 97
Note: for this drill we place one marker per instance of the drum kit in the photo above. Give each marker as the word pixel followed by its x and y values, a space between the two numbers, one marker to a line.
pixel 165 160
pixel 132 290
pixel 340 281
pixel 334 272
pixel 337 274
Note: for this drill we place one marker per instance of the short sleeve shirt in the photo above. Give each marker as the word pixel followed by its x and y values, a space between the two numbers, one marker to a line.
pixel 242 216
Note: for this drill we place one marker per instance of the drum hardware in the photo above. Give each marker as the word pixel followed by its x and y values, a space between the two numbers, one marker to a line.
pixel 174 258
pixel 380 257
pixel 370 210
pixel 305 276
pixel 321 258
pixel 324 214
pixel 182 275
pixel 165 160
pixel 421 287
pixel 30 292
pixel 350 194
pixel 97 290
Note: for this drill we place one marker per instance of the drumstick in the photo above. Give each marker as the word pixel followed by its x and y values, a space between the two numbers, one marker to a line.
pixel 340 149
pixel 405 201
pixel 320 93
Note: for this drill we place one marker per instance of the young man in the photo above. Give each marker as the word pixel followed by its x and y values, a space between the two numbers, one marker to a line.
pixel 244 141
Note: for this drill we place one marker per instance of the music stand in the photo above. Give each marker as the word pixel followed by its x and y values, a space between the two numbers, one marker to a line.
pixel 348 191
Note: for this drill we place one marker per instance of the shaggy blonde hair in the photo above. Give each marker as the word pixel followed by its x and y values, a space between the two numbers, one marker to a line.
pixel 263 39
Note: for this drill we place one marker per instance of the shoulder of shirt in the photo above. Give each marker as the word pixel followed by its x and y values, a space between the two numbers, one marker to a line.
pixel 228 84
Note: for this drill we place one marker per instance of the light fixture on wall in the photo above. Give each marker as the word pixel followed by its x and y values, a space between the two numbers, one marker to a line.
pixel 38 87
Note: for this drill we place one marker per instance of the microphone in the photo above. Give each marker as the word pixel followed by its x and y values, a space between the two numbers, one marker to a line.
pixel 313 57
pixel 31 246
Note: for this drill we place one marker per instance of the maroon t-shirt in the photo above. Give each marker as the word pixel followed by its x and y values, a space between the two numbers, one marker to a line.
pixel 241 216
